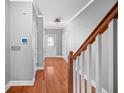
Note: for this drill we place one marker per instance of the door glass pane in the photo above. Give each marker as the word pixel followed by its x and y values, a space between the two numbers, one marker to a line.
pixel 50 41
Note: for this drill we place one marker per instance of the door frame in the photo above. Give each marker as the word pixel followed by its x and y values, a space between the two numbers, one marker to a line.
pixel 45 38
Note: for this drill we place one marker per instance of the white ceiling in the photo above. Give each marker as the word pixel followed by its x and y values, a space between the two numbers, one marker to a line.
pixel 66 9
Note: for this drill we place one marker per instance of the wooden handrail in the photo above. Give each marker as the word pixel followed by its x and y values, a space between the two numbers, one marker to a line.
pixel 100 28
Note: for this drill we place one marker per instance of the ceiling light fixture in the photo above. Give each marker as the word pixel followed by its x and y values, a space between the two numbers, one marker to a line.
pixel 57 20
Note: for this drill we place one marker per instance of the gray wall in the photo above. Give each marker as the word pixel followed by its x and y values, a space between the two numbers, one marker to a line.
pixel 21 25
pixel 7 41
pixel 58 33
pixel 40 40
pixel 78 30
pixel 39 21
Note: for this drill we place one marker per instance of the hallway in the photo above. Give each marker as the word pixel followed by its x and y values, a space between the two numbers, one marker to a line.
pixel 58 47
pixel 55 79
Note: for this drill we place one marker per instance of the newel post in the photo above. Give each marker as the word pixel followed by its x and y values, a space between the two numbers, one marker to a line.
pixel 70 72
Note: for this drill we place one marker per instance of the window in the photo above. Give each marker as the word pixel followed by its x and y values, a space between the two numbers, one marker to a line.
pixel 50 41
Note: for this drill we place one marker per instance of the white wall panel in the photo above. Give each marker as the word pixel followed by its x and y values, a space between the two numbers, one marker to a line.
pixel 112 57
pixel 104 59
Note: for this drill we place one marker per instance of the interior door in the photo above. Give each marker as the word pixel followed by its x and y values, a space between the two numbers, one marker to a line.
pixel 50 45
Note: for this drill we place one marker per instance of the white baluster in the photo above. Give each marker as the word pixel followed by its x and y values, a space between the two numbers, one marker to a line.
pixel 78 79
pixel 88 64
pixel 82 71
pixel 98 61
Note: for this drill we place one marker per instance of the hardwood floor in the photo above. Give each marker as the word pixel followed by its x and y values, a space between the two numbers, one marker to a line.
pixel 56 75
pixel 52 80
pixel 37 88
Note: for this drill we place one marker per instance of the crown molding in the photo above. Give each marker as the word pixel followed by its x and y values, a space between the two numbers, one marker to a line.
pixel 41 16
pixel 79 12
pixel 21 0
pixel 37 11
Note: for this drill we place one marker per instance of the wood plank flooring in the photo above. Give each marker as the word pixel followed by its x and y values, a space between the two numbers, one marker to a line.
pixel 56 75
pixel 37 88
pixel 52 80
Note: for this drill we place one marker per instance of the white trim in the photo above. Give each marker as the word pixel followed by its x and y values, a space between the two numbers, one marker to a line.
pixel 40 68
pixel 22 83
pixel 43 37
pixel 54 56
pixel 93 83
pixel 82 82
pixel 35 8
pixel 66 60
pixel 85 76
pixel 19 83
pixel 40 16
pixel 78 82
pixel 34 75
pixel 76 68
pixel 37 11
pixel 80 72
pixel 98 61
pixel 21 0
pixel 7 86
pixel 88 66
pixel 90 2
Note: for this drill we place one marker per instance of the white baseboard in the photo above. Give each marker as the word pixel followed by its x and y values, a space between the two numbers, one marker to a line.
pixel 54 56
pixel 7 86
pixel 59 56
pixel 19 83
pixel 66 60
pixel 22 83
pixel 40 68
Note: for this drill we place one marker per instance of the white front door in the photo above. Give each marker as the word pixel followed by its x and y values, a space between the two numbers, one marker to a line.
pixel 50 45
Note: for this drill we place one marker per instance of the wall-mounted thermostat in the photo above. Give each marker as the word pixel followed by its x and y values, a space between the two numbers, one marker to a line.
pixel 24 40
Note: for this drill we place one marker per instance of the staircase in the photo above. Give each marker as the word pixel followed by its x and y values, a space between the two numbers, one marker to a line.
pixel 93 67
